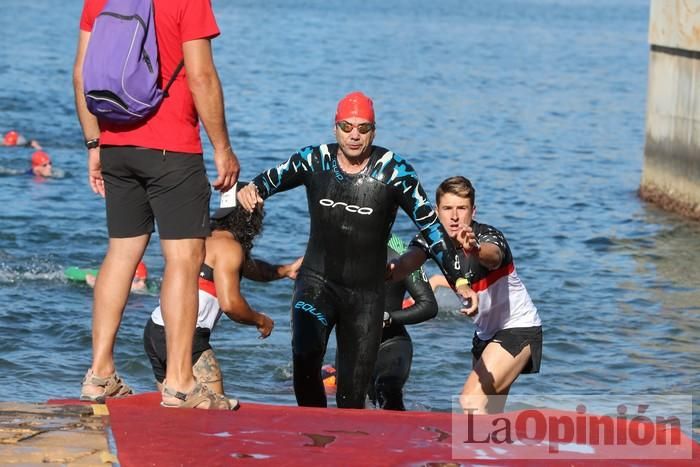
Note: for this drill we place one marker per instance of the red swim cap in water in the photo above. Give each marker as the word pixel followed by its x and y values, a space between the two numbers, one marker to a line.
pixel 40 158
pixel 355 104
pixel 141 271
pixel 328 375
pixel 10 138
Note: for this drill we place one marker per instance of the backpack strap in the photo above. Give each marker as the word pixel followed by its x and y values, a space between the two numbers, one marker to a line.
pixel 172 78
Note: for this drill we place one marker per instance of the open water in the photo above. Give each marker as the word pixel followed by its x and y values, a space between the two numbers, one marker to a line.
pixel 540 102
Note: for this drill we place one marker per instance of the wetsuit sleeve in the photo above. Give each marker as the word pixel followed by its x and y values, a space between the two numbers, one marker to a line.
pixel 414 202
pixel 287 175
pixel 425 306
pixel 416 284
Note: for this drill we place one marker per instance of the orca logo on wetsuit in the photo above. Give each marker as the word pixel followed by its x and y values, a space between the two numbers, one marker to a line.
pixel 348 207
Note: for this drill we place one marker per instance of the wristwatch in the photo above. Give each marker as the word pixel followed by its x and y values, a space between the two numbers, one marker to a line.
pixel 92 143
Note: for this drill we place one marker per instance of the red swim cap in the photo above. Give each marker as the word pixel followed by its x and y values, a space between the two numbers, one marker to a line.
pixel 328 375
pixel 10 138
pixel 141 271
pixel 40 158
pixel 355 104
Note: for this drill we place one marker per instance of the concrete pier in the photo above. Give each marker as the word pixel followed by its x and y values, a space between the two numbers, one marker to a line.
pixel 671 174
pixel 46 434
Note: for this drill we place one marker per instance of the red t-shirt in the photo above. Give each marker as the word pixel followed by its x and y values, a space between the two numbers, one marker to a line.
pixel 175 125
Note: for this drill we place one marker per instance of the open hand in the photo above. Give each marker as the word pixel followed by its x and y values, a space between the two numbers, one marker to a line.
pixel 292 269
pixel 227 168
pixel 467 238
pixel 95 179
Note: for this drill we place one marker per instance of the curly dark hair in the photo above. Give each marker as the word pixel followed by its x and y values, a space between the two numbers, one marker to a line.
pixel 243 225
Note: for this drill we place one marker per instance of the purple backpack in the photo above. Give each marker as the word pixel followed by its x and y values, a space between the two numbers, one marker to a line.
pixel 120 72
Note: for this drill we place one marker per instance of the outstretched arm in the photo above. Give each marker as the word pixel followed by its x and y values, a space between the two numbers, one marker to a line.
pixel 414 202
pixel 425 306
pixel 262 271
pixel 397 269
pixel 413 258
pixel 438 280
pixel 438 245
pixel 285 176
pixel 489 247
pixel 226 277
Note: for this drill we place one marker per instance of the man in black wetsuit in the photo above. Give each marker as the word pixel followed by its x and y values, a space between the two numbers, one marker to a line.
pixel 354 190
pixel 396 348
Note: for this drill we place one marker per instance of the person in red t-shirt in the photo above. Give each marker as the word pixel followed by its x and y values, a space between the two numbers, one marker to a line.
pixel 154 170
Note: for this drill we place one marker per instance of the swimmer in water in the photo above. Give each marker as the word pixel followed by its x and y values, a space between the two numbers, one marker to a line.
pixel 138 283
pixel 41 165
pixel 13 138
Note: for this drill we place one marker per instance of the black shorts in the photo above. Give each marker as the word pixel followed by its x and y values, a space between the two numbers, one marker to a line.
pixel 154 345
pixel 514 340
pixel 146 184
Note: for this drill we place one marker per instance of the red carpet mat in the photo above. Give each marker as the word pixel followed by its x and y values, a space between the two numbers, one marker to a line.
pixel 258 434
pixel 147 434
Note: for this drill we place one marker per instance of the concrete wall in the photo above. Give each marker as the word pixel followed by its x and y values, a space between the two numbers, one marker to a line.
pixel 671 174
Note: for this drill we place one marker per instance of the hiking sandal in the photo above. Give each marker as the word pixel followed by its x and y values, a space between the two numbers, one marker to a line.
pixel 234 403
pixel 112 386
pixel 200 397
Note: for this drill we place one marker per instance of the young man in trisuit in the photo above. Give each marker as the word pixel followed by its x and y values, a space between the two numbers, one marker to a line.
pixel 508 336
pixel 354 190
pixel 227 260
pixel 153 171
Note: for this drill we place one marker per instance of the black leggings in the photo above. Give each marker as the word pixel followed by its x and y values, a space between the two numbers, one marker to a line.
pixel 391 372
pixel 317 307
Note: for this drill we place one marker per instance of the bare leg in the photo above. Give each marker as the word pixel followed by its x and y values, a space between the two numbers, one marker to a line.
pixel 110 296
pixel 493 374
pixel 179 303
pixel 208 372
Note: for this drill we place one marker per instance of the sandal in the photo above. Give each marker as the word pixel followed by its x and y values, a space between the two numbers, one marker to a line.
pixel 200 397
pixel 112 386
pixel 234 403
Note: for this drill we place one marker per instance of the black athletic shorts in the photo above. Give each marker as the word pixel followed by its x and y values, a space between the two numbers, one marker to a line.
pixel 154 345
pixel 146 184
pixel 514 340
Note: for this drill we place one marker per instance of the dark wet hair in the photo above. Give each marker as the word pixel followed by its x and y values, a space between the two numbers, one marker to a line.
pixel 243 225
pixel 459 186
